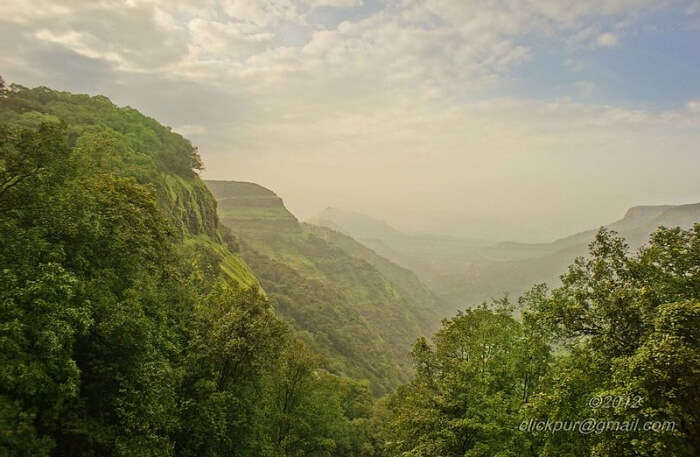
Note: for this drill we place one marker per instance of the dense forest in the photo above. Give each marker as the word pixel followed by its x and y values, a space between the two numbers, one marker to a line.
pixel 134 323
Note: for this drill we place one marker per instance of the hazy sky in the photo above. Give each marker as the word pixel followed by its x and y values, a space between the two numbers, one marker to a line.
pixel 520 119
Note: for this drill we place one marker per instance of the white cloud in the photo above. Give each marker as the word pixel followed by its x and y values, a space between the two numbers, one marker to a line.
pixel 83 44
pixel 333 3
pixel 28 12
pixel 584 37
pixel 607 40
pixel 568 11
pixel 574 65
pixel 262 13
pixel 225 39
pixel 694 106
pixel 428 48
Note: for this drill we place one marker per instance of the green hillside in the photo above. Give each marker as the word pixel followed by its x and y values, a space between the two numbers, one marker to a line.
pixel 130 325
pixel 360 310
pixel 126 143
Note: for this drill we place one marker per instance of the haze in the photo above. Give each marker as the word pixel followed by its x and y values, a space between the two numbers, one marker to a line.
pixel 522 120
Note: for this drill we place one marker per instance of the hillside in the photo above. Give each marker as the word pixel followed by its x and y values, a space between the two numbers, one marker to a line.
pixel 124 142
pixel 360 310
pixel 464 272
pixel 424 254
pixel 130 325
pixel 636 226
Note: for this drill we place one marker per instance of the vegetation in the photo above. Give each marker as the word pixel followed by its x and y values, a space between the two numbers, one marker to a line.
pixel 463 271
pixel 128 324
pixel 358 309
pixel 132 325
pixel 622 327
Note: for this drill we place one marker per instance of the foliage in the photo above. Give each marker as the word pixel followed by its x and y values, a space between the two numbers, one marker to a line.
pixel 131 326
pixel 630 323
pixel 468 390
pixel 621 326
pixel 128 324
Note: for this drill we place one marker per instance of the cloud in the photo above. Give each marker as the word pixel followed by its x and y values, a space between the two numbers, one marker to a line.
pixel 591 37
pixel 427 47
pixel 573 65
pixel 607 40
pixel 404 91
pixel 334 3
pixel 584 38
pixel 224 40
pixel 421 50
pixel 138 38
pixel 694 106
pixel 83 44
pixel 261 13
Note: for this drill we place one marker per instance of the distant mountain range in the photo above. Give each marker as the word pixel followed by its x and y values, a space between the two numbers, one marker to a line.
pixel 464 272
pixel 360 310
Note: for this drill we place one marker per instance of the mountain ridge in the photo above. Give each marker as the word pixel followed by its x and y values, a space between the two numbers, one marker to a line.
pixel 464 274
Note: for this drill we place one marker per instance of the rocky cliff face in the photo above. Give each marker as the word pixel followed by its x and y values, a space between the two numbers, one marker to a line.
pixel 245 207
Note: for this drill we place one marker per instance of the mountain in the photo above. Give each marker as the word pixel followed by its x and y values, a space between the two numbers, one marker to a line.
pixel 636 226
pixel 424 254
pixel 361 226
pixel 130 324
pixel 464 272
pixel 360 310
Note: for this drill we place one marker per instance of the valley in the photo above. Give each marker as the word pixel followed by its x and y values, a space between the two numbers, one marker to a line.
pixel 148 312
pixel 360 310
pixel 466 272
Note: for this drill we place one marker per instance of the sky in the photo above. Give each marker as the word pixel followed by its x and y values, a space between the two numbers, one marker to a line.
pixel 502 119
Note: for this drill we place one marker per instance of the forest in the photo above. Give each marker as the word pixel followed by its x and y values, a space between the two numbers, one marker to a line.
pixel 135 322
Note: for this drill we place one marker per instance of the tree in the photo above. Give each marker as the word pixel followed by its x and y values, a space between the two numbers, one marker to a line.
pixel 235 342
pixel 29 160
pixel 628 327
pixel 468 389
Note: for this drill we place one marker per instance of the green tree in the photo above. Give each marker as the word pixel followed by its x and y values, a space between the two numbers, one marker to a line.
pixel 98 301
pixel 235 341
pixel 468 390
pixel 628 327
pixel 312 412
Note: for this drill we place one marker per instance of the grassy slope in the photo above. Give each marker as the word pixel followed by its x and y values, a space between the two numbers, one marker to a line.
pixel 360 310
